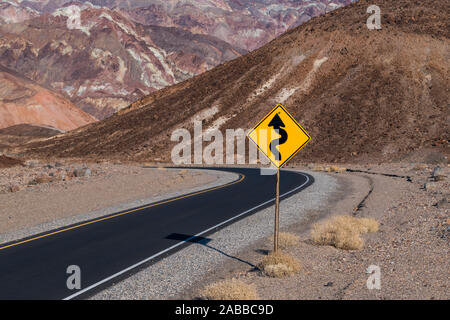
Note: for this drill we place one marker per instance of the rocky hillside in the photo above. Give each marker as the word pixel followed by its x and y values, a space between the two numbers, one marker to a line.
pixel 120 51
pixel 12 11
pixel 107 61
pixel 361 94
pixel 7 162
pixel 23 133
pixel 25 102
pixel 246 24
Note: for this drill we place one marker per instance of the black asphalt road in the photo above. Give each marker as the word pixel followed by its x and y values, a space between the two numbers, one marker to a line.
pixel 113 248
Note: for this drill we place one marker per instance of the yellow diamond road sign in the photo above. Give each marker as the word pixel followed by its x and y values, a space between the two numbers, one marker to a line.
pixel 279 136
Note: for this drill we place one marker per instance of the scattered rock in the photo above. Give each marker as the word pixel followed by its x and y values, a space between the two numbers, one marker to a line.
pixel 436 171
pixel 39 180
pixel 69 173
pixel 13 188
pixel 431 186
pixel 438 174
pixel 443 204
pixel 420 166
pixel 84 172
pixel 31 163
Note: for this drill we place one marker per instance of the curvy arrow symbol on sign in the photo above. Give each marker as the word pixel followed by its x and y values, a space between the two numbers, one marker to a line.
pixel 277 123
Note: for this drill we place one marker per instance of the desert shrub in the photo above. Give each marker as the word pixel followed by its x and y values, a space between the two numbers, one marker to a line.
pixel 233 289
pixel 337 169
pixel 370 224
pixel 279 264
pixel 343 232
pixel 318 168
pixel 286 240
pixel 40 180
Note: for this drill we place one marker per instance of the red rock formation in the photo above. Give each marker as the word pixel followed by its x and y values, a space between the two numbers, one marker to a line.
pixel 109 60
pixel 24 102
pixel 11 11
pixel 106 61
pixel 246 24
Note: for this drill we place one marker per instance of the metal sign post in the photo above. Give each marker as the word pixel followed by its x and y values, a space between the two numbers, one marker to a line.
pixel 277 212
pixel 292 138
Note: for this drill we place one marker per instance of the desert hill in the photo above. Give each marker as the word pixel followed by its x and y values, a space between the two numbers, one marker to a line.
pixel 24 102
pixel 106 61
pixel 361 94
pixel 246 24
pixel 20 134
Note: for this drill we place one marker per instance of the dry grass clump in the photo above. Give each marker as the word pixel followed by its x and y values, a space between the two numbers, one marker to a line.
pixel 370 225
pixel 286 240
pixel 420 166
pixel 337 169
pixel 40 180
pixel 233 289
pixel 279 264
pixel 343 232
pixel 318 168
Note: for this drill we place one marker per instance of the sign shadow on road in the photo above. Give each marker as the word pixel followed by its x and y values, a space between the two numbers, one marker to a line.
pixel 205 242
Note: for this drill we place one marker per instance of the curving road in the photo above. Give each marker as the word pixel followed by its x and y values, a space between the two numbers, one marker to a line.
pixel 113 247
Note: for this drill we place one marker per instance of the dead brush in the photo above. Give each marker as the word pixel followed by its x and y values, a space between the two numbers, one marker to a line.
pixel 233 289
pixel 337 169
pixel 279 264
pixel 331 169
pixel 286 240
pixel 343 232
pixel 318 168
pixel 40 180
pixel 369 225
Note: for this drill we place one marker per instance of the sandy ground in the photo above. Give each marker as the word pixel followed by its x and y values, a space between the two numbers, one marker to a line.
pixel 107 185
pixel 411 247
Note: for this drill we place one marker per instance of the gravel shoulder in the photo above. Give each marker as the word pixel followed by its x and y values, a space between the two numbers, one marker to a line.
pixel 53 205
pixel 411 247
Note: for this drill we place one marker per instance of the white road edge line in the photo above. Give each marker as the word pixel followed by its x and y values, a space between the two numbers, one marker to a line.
pixel 182 242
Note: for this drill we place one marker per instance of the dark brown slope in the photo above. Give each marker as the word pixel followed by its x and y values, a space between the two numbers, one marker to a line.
pixel 361 94
pixel 7 162
pixel 23 133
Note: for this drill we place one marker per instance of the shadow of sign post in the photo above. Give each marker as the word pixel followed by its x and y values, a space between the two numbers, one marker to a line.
pixel 204 242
